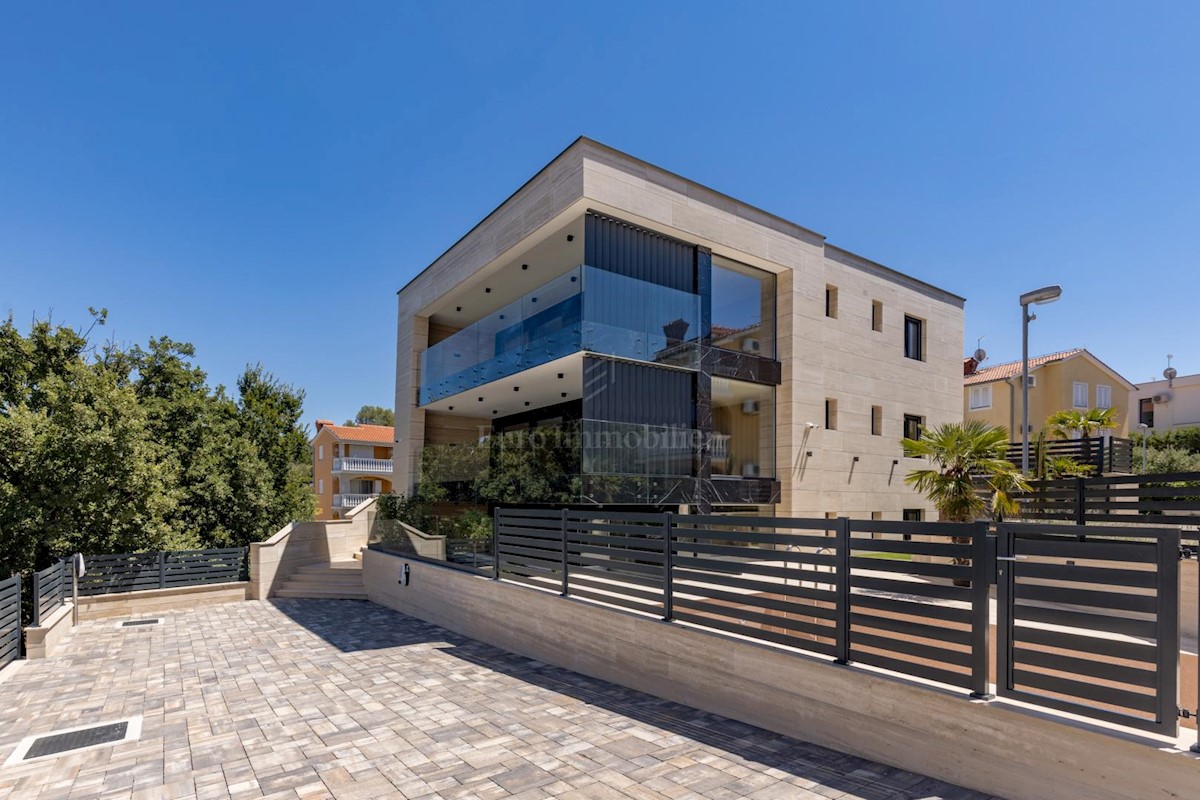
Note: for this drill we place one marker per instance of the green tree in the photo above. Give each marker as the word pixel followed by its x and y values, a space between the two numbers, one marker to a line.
pixel 373 415
pixel 959 456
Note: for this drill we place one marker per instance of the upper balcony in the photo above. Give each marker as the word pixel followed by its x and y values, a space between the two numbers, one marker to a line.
pixel 584 309
pixel 363 466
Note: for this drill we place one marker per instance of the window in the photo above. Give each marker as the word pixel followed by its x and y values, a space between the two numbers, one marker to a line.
pixel 1103 396
pixel 321 486
pixel 743 308
pixel 743 431
pixel 876 315
pixel 1032 382
pixel 320 452
pixel 1146 412
pixel 912 426
pixel 877 420
pixel 831 301
pixel 830 414
pixel 981 397
pixel 913 515
pixel 914 338
pixel 1079 395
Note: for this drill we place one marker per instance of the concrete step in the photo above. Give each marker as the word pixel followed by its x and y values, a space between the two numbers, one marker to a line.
pixel 321 594
pixel 330 574
pixel 336 567
pixel 301 584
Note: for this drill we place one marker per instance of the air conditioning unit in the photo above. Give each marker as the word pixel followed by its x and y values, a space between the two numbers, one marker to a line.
pixel 1162 398
pixel 750 470
pixel 751 346
pixel 749 406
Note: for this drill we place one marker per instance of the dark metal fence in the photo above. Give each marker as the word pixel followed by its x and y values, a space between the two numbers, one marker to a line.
pixel 910 597
pixel 1105 455
pixel 50 589
pixel 10 620
pixel 1091 627
pixel 1161 499
pixel 133 572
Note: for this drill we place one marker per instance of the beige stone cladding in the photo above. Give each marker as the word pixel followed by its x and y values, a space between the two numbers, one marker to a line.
pixel 844 358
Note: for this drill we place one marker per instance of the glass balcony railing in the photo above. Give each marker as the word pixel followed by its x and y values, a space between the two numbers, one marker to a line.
pixel 586 309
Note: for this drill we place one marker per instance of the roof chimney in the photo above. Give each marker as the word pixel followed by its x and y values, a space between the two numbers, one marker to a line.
pixel 969 366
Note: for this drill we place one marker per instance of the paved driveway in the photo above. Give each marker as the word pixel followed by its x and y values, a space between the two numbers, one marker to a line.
pixel 346 699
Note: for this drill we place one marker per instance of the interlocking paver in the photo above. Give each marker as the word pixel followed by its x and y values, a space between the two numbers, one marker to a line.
pixel 317 699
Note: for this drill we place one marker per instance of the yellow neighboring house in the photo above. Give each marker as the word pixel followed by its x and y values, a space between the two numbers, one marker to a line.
pixel 351 464
pixel 1070 379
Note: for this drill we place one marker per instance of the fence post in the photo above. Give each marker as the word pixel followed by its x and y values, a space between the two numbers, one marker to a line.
pixel 162 570
pixel 565 585
pixel 1080 502
pixel 842 591
pixel 668 563
pixel 496 544
pixel 981 572
pixel 37 599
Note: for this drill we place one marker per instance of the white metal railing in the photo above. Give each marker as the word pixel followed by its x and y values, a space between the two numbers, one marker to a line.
pixel 352 500
pixel 372 465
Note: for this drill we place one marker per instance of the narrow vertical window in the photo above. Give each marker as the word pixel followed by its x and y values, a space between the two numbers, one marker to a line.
pixel 914 338
pixel 1146 412
pixel 877 420
pixel 830 414
pixel 831 301
pixel 912 426
pixel 320 452
pixel 877 315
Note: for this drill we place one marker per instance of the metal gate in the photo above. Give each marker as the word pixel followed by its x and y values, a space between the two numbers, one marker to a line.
pixel 1088 621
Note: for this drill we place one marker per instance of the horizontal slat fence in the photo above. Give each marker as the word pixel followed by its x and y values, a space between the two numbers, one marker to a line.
pixel 1157 499
pixel 133 572
pixel 919 600
pixel 10 620
pixel 909 597
pixel 50 588
pixel 1094 625
pixel 1113 454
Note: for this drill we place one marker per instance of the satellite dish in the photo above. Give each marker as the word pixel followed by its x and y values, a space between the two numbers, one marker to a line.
pixel 1169 373
pixel 979 355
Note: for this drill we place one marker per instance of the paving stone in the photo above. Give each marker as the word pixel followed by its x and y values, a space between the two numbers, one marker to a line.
pixel 346 700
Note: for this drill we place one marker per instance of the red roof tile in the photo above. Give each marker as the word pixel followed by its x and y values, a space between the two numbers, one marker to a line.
pixel 999 372
pixel 376 434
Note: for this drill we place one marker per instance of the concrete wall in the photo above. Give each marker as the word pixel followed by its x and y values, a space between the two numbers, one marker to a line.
pixel 992 747
pixel 155 601
pixel 43 641
pixel 301 544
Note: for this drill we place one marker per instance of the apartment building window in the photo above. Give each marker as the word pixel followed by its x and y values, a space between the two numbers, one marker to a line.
pixel 1146 412
pixel 831 301
pixel 912 426
pixel 981 397
pixel 1079 395
pixel 877 315
pixel 1103 396
pixel 743 430
pixel 743 308
pixel 914 338
pixel 877 420
pixel 913 515
pixel 321 486
pixel 320 452
pixel 830 414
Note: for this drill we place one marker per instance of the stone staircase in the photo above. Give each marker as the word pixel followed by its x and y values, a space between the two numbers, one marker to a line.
pixel 337 580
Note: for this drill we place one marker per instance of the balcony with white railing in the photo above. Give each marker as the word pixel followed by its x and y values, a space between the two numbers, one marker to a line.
pixel 363 466
pixel 352 500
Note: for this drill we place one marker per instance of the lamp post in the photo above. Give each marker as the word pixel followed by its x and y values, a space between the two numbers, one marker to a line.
pixel 1047 294
pixel 1145 435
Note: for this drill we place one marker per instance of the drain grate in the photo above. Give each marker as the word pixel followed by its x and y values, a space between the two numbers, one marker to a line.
pixel 133 623
pixel 74 740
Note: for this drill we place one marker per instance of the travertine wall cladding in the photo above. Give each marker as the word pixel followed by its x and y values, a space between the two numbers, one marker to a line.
pixel 822 358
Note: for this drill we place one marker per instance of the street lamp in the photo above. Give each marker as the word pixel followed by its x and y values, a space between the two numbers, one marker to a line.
pixel 1145 435
pixel 1047 294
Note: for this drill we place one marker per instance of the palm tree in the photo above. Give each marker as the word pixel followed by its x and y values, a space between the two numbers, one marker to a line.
pixel 1069 421
pixel 961 456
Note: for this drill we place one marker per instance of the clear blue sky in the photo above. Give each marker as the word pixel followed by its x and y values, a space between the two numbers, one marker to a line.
pixel 260 178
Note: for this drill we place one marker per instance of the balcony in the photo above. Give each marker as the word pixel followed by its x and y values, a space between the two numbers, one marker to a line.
pixel 585 309
pixel 348 501
pixel 363 466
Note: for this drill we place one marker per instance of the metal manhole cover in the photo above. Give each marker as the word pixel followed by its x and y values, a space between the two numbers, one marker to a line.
pixel 74 740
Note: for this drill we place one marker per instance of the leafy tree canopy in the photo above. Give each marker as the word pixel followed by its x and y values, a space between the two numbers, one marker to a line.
pixel 373 415
pixel 110 449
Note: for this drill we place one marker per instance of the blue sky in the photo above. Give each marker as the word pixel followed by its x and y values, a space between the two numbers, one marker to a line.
pixel 259 179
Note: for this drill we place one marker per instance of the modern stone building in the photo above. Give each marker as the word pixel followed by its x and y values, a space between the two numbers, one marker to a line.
pixel 661 344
